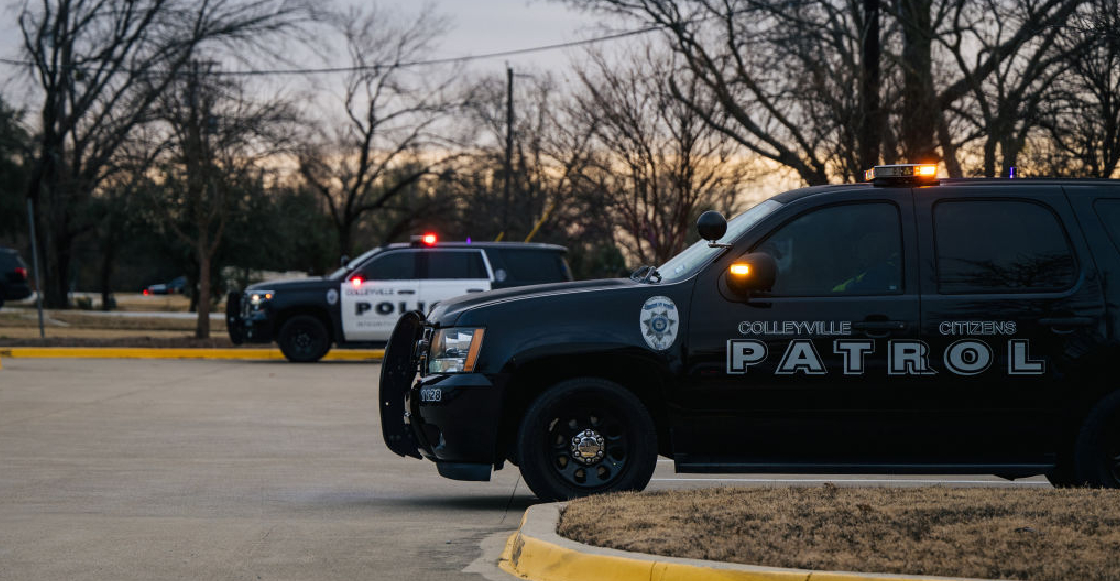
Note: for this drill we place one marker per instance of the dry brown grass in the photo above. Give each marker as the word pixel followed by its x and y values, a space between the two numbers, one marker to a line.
pixel 982 533
pixel 76 328
pixel 80 320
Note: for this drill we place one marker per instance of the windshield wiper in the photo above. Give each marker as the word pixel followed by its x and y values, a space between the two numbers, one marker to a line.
pixel 645 273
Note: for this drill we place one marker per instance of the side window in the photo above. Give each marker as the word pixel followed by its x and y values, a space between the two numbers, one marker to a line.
pixel 391 266
pixel 1108 210
pixel 515 266
pixel 988 246
pixel 853 249
pixel 456 264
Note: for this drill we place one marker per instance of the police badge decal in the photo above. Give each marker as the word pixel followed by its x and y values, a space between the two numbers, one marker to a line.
pixel 659 322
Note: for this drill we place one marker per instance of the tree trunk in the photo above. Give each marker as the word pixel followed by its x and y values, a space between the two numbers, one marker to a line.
pixel 990 158
pixel 108 256
pixel 919 114
pixel 870 130
pixel 345 237
pixel 58 294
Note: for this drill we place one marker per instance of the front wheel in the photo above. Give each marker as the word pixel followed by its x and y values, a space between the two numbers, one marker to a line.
pixel 586 436
pixel 1097 455
pixel 304 339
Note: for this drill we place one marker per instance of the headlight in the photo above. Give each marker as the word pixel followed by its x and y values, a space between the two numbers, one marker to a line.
pixel 258 298
pixel 455 350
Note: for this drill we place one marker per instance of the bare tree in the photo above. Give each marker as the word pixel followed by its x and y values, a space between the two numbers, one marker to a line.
pixel 101 64
pixel 222 137
pixel 660 162
pixel 785 73
pixel 1003 53
pixel 1082 122
pixel 391 111
pixel 548 155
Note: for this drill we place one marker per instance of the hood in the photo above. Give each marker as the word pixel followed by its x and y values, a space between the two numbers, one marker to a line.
pixel 288 284
pixel 456 306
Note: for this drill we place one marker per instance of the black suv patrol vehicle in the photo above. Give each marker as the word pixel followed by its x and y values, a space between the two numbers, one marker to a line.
pixel 358 305
pixel 905 325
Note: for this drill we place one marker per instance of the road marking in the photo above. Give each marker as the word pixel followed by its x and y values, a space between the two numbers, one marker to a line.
pixel 852 480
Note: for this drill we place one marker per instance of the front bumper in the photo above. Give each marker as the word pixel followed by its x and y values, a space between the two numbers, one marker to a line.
pixel 450 418
pixel 455 417
pixel 247 325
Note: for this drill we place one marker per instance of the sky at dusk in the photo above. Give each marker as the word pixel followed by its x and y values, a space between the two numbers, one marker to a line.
pixel 477 27
pixel 487 26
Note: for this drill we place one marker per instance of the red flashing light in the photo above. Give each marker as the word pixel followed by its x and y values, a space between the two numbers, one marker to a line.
pixel 357 281
pixel 428 238
pixel 145 292
pixel 21 271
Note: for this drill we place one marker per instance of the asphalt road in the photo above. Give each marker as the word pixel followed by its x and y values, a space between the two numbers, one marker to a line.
pixel 244 470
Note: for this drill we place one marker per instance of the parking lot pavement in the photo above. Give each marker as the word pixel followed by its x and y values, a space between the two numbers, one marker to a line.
pixel 246 470
pixel 223 470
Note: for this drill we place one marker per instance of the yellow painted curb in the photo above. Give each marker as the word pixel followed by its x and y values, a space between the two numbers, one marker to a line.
pixel 531 558
pixel 158 353
pixel 537 553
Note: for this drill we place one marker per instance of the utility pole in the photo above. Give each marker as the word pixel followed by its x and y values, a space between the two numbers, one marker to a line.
pixel 509 147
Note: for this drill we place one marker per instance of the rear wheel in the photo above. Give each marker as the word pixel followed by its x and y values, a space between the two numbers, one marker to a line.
pixel 304 339
pixel 585 436
pixel 1097 456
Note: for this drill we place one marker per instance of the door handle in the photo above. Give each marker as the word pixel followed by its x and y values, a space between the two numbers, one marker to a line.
pixel 1066 324
pixel 879 325
pixel 876 329
pixel 475 290
pixel 406 291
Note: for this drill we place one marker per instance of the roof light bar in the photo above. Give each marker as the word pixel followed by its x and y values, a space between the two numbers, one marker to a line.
pixel 426 239
pixel 910 173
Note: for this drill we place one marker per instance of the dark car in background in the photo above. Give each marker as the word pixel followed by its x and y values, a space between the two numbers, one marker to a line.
pixel 13 277
pixel 177 286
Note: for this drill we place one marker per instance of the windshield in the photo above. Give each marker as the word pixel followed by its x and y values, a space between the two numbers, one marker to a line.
pixel 689 262
pixel 353 263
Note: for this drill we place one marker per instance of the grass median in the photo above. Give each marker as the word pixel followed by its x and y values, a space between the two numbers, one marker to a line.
pixel 19 327
pixel 981 533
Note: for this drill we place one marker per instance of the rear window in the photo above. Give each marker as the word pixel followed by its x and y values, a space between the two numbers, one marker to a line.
pixel 1010 246
pixel 524 266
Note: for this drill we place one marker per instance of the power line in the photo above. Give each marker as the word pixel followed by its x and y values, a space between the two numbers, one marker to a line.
pixel 375 67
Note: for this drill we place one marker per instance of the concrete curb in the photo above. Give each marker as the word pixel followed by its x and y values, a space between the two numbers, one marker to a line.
pixel 273 354
pixel 536 552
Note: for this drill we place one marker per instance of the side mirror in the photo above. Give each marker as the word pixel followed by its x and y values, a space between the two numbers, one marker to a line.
pixel 752 272
pixel 711 225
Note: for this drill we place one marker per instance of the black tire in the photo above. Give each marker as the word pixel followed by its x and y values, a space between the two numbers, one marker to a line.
pixel 620 436
pixel 304 339
pixel 1097 453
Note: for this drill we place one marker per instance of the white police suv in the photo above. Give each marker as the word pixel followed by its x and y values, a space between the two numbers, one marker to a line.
pixel 358 305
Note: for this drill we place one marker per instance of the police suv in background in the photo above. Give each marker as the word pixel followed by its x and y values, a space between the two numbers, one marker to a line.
pixel 358 305
pixel 908 324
